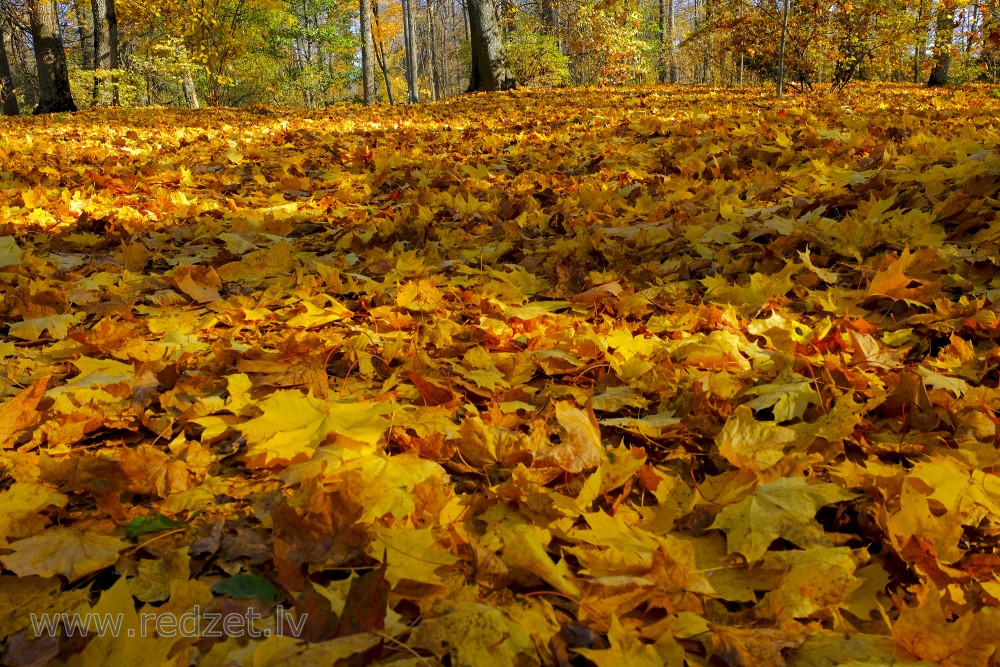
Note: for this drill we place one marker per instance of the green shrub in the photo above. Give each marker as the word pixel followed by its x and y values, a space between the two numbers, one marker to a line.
pixel 535 59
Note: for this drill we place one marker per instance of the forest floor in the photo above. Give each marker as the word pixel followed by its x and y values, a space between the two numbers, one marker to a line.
pixel 624 376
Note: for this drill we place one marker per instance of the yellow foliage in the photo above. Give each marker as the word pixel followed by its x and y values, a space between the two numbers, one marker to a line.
pixel 642 376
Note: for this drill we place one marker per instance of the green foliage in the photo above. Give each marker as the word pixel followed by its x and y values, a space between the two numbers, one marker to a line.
pixel 464 55
pixel 129 81
pixel 967 68
pixel 535 59
pixel 244 52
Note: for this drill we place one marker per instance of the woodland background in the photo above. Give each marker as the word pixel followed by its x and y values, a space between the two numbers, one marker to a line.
pixel 308 53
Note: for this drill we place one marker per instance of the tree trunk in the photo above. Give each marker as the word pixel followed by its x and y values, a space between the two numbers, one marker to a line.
pixel 781 50
pixel 53 78
pixel 320 66
pixel 105 52
pixel 190 94
pixel 662 71
pixel 944 32
pixel 706 59
pixel 668 62
pixel 7 96
pixel 85 32
pixel 367 45
pixel 920 43
pixel 412 92
pixel 550 17
pixel 383 65
pixel 671 52
pixel 465 19
pixel 489 62
pixel 436 87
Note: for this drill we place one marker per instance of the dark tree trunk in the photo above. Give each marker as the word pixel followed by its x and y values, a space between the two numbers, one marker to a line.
pixel 489 62
pixel 105 52
pixel 53 78
pixel 550 17
pixel 7 96
pixel 944 32
pixel 367 46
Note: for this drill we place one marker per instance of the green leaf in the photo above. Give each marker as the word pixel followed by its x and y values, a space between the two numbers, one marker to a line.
pixel 150 524
pixel 248 586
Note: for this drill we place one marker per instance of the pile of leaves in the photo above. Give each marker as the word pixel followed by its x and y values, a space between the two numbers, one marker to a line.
pixel 612 376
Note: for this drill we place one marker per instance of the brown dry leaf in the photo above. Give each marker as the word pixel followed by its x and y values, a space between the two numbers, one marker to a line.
pixel 580 446
pixel 754 647
pixel 19 413
pixel 201 283
pixel 925 632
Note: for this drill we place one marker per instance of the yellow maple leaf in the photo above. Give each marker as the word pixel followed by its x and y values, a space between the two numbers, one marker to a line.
pixel 294 424
pixel 475 634
pixel 784 508
pixel 72 552
pixel 626 649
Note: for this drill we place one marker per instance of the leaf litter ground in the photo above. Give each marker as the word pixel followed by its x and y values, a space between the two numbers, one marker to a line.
pixel 626 376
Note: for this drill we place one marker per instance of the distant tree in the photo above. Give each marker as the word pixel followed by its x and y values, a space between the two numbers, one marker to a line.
pixel 50 59
pixel 84 33
pixel 785 6
pixel 668 57
pixel 489 61
pixel 367 47
pixel 436 85
pixel 410 51
pixel 944 35
pixel 105 52
pixel 864 29
pixel 378 36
